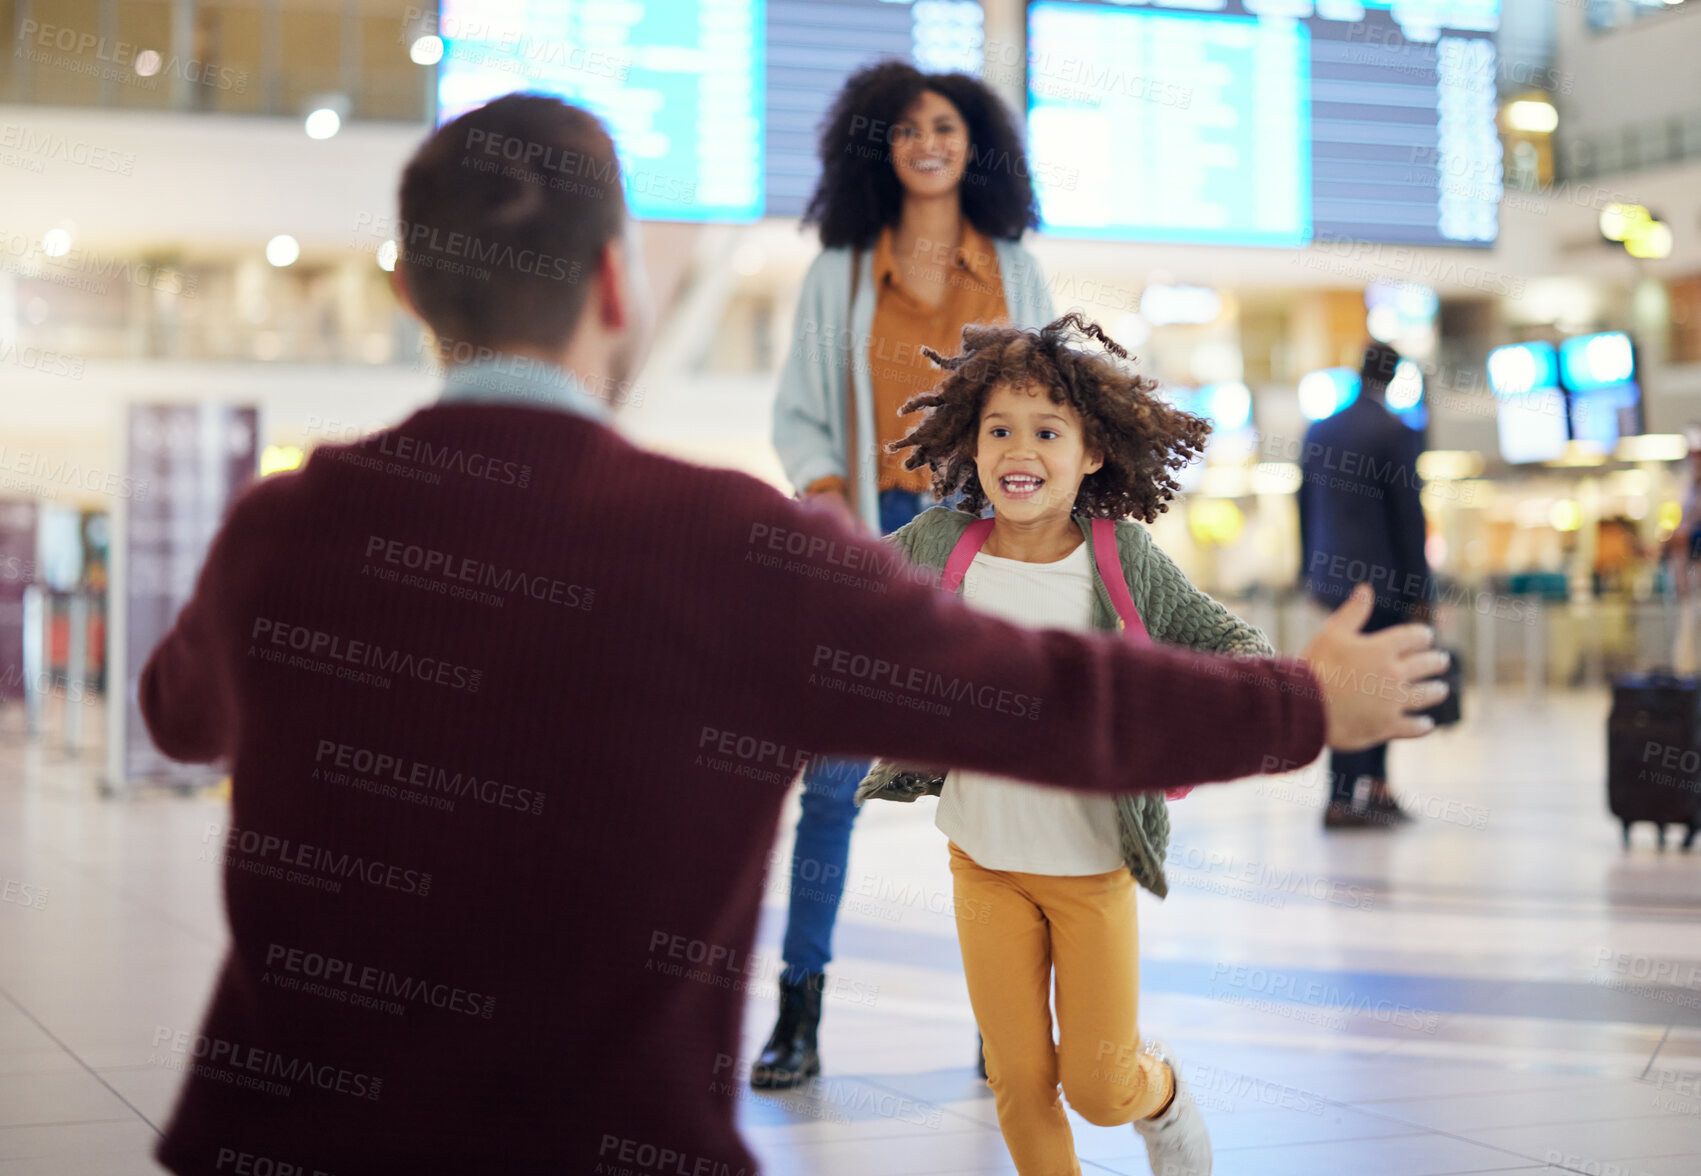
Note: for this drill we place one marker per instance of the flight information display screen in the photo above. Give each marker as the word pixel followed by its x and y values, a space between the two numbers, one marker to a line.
pixel 714 105
pixel 1599 371
pixel 1530 404
pixel 814 45
pixel 1266 122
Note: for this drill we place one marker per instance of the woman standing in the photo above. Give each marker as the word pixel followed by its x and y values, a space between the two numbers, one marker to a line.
pixel 923 198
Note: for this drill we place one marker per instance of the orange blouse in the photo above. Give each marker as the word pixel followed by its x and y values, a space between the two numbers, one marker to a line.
pixel 903 324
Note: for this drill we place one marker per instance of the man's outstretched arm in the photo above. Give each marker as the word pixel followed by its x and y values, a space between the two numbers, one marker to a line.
pixel 185 695
pixel 182 695
pixel 882 663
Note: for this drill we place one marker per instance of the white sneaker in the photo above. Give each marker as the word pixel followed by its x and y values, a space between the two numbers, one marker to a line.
pixel 1177 1143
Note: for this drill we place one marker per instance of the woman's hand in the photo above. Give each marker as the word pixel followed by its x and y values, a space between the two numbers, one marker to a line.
pixel 1371 681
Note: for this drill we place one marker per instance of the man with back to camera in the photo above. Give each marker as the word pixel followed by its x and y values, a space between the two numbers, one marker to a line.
pixel 1361 519
pixel 513 706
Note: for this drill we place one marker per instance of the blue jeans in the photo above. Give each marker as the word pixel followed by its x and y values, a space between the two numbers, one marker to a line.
pixel 821 852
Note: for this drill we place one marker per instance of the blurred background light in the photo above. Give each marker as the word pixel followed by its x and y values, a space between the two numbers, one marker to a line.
pixel 1531 116
pixel 426 50
pixel 1324 393
pixel 1406 388
pixel 1565 515
pixel 1228 405
pixel 282 250
pixel 1652 447
pixel 1164 306
pixel 323 123
pixel 1651 241
pixel 1215 521
pixel 275 459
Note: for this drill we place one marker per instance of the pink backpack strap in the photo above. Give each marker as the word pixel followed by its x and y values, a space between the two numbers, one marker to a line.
pixel 963 554
pixel 1109 561
pixel 1105 554
pixel 1116 583
pixel 1116 580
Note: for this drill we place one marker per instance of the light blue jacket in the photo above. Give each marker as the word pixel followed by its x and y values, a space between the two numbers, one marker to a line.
pixel 809 407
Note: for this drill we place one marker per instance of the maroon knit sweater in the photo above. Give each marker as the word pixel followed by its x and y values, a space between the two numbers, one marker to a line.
pixel 512 707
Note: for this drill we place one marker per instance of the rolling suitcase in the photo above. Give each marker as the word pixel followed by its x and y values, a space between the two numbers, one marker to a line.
pixel 1654 753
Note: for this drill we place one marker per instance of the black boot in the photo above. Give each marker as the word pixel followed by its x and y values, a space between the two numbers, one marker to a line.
pixel 789 1059
pixel 1383 806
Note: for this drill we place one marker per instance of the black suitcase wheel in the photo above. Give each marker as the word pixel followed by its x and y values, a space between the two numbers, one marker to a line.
pixel 1627 836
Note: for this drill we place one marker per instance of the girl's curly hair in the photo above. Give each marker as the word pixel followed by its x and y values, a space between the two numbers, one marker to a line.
pixel 858 193
pixel 1141 437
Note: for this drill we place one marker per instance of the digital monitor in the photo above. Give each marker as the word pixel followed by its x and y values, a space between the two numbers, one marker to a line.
pixel 1266 122
pixel 1599 371
pixel 1530 410
pixel 1606 360
pixel 714 105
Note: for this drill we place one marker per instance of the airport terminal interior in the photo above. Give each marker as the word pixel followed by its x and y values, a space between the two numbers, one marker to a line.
pixel 198 239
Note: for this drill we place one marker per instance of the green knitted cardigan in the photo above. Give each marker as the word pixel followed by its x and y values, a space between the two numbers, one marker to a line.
pixel 1174 612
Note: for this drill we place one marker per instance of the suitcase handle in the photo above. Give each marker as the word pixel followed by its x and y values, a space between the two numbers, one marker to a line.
pixel 1665 677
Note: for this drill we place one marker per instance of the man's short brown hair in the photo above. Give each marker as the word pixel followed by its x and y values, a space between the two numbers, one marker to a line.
pixel 504 214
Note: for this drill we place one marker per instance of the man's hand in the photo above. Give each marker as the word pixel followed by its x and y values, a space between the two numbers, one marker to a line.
pixel 1370 681
pixel 835 503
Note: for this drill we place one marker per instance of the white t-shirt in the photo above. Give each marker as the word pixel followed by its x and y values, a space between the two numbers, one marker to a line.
pixel 1007 824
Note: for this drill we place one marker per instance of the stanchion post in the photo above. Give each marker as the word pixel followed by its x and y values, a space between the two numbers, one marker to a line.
pixel 76 671
pixel 1535 650
pixel 1485 653
pixel 35 633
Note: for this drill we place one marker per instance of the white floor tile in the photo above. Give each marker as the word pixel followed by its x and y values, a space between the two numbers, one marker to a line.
pixel 1500 924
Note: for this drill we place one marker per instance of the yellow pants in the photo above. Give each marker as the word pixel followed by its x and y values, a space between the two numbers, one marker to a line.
pixel 1014 929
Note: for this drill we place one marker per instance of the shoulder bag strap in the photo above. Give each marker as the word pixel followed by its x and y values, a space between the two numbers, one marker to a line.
pixel 1116 580
pixel 853 462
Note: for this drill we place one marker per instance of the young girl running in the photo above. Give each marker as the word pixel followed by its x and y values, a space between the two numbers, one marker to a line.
pixel 1065 446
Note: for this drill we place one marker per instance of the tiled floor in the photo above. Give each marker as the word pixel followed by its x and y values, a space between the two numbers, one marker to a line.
pixel 1470 994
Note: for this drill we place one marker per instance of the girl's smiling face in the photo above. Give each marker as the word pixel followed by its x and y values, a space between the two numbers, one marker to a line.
pixel 1031 453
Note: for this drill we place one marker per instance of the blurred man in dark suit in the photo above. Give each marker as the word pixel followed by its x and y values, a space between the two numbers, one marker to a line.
pixel 1360 520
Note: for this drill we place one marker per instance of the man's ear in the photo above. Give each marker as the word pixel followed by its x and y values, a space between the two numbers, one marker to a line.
pixel 399 287
pixel 612 292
